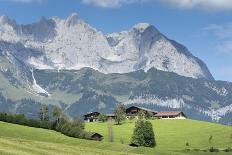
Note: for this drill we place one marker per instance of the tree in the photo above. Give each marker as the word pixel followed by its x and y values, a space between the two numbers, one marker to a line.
pixel 148 115
pixel 102 117
pixel 43 113
pixel 141 115
pixel 78 122
pixel 56 113
pixel 120 113
pixel 143 134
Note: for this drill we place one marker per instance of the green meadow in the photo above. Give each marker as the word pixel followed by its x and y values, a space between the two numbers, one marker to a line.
pixel 171 138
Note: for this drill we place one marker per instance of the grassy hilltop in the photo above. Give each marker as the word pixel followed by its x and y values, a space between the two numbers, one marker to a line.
pixel 171 137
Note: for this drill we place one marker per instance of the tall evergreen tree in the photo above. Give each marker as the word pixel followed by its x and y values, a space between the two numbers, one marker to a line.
pixel 143 134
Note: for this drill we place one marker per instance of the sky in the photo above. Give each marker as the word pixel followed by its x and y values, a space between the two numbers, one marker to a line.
pixel 203 26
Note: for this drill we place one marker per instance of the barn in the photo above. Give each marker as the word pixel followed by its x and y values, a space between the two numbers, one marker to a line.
pixel 171 115
pixel 96 136
pixel 133 110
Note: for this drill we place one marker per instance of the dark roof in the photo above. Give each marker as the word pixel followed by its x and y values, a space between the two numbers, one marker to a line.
pixel 92 134
pixel 92 113
pixel 169 113
pixel 142 108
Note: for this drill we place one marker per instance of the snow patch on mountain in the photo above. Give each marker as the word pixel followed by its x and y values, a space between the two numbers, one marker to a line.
pixel 37 87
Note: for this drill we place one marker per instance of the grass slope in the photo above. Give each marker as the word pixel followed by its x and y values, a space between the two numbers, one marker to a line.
pixel 171 137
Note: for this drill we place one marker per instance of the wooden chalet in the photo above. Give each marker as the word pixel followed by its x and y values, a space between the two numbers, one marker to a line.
pixel 133 110
pixel 170 115
pixel 91 117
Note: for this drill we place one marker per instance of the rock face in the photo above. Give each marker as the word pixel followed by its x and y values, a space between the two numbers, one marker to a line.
pixel 72 44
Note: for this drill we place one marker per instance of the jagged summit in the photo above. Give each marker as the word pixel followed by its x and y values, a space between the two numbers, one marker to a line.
pixel 141 26
pixel 72 19
pixel 73 44
pixel 6 20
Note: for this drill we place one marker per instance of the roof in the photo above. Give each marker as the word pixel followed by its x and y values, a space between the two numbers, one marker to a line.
pixel 142 108
pixel 169 113
pixel 110 115
pixel 94 134
pixel 92 113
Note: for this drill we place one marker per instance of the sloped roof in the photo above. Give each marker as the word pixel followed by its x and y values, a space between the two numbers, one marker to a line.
pixel 92 113
pixel 95 133
pixel 169 113
pixel 142 108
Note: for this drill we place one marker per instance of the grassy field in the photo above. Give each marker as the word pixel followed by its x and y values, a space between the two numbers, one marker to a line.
pixel 171 136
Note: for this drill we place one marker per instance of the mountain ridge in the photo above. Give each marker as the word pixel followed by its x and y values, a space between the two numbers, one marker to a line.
pixel 73 44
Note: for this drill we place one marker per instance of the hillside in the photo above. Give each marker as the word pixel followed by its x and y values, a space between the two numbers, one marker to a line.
pixel 86 90
pixel 172 136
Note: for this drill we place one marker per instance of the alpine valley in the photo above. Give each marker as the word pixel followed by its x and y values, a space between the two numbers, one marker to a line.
pixel 68 63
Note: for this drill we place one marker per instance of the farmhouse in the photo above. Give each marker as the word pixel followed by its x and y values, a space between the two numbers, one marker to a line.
pixel 170 115
pixel 133 110
pixel 91 117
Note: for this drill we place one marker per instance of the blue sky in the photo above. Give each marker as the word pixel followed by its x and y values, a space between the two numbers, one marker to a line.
pixel 204 26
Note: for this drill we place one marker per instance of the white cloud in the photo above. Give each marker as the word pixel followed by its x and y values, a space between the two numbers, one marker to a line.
pixel 183 4
pixel 223 34
pixel 204 4
pixel 112 3
pixel 221 31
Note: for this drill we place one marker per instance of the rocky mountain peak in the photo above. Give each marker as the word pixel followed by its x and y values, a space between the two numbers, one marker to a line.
pixel 72 44
pixel 72 20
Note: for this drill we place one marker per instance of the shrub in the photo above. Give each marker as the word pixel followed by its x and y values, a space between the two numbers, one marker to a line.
pixel 229 149
pixel 212 149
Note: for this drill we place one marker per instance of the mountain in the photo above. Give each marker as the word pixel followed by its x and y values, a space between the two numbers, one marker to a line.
pixel 72 44
pixel 70 64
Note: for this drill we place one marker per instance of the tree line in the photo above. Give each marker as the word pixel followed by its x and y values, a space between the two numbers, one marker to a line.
pixel 59 122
